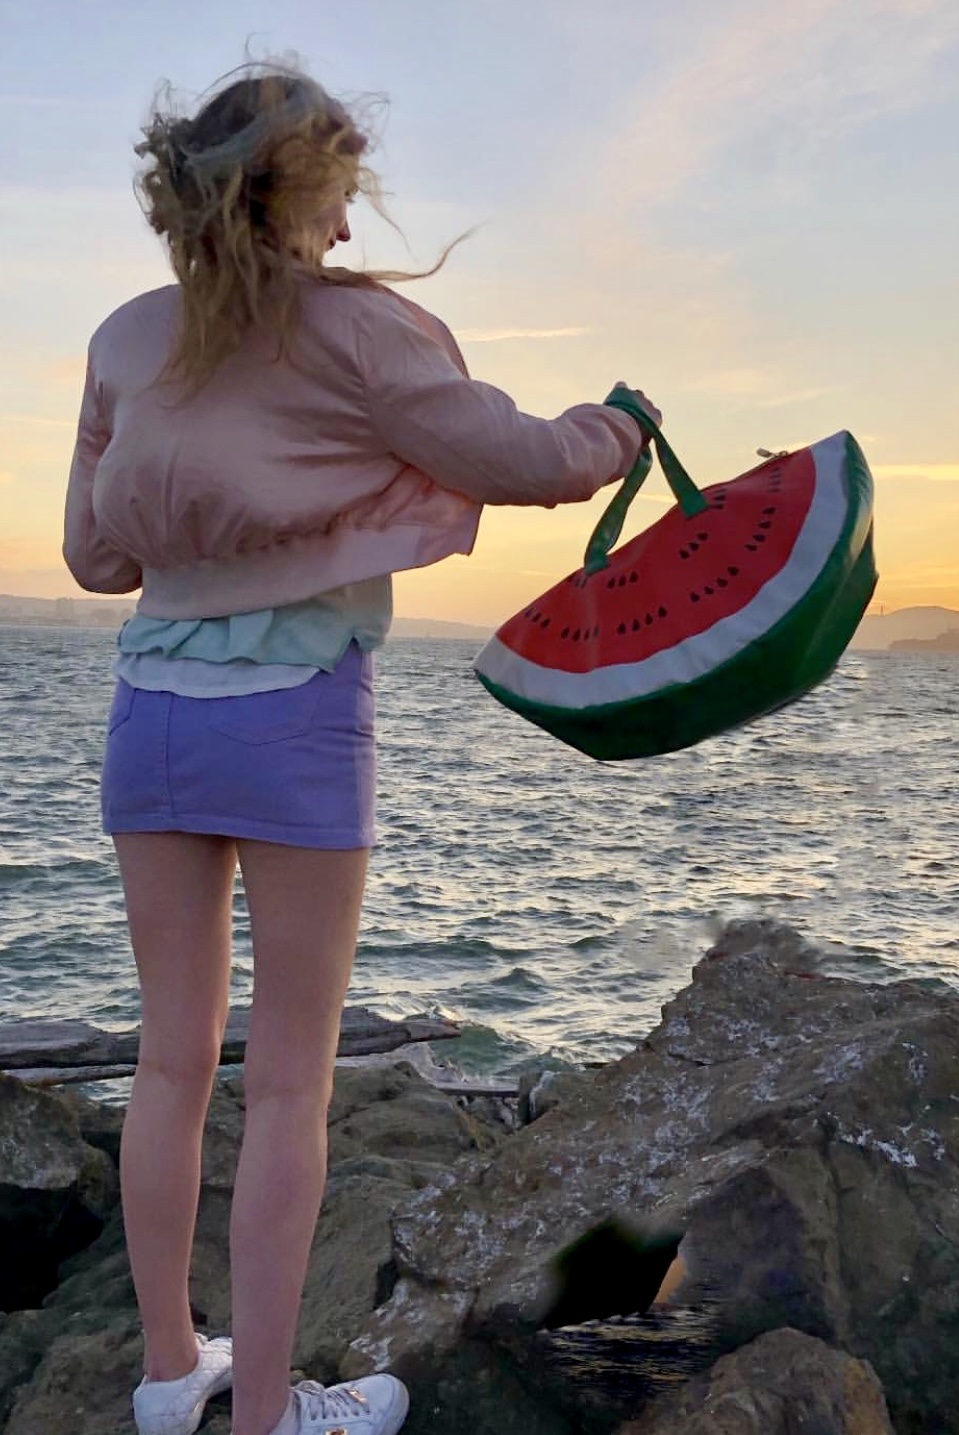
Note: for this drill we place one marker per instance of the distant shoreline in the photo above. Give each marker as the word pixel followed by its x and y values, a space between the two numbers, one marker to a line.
pixel 947 642
pixel 920 629
pixel 403 629
pixel 103 615
pixel 409 630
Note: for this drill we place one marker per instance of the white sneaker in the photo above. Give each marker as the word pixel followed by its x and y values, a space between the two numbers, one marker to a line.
pixel 376 1405
pixel 175 1407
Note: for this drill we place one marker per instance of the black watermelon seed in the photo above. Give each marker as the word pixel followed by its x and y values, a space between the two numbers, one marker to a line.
pixel 694 547
pixel 752 547
pixel 702 537
pixel 545 623
pixel 576 635
pixel 662 612
pixel 722 582
pixel 694 597
pixel 621 628
pixel 596 631
pixel 564 633
pixel 621 582
pixel 733 572
pixel 636 625
pixel 769 510
pixel 708 590
pixel 683 553
pixel 632 577
pixel 759 537
pixel 764 523
pixel 611 583
pixel 649 620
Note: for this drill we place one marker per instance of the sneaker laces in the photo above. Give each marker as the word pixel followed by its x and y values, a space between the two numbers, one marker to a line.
pixel 334 1402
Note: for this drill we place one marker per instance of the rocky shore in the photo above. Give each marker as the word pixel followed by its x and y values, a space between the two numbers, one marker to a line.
pixel 794 1136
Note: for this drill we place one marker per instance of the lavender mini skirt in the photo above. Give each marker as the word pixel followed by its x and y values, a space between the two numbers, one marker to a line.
pixel 295 766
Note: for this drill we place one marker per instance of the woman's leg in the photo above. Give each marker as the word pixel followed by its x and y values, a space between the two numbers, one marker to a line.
pixel 179 889
pixel 304 912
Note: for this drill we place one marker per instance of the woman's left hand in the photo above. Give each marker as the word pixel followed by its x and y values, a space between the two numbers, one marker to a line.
pixel 654 413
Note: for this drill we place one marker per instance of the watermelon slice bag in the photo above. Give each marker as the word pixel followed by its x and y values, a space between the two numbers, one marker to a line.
pixel 739 600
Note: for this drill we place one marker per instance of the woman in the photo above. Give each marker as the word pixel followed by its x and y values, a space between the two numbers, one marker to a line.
pixel 260 445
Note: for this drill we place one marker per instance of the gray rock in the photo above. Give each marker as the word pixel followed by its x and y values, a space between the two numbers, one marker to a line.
pixel 71 1366
pixel 803 1131
pixel 55 1191
pixel 82 1385
pixel 781 1383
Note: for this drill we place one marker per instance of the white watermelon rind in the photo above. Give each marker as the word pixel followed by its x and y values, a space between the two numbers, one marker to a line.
pixel 736 670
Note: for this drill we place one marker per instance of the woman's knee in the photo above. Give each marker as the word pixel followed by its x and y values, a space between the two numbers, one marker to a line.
pixel 189 1065
pixel 291 1081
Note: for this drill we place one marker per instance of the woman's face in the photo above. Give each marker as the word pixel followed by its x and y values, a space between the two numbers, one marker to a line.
pixel 333 225
pixel 317 233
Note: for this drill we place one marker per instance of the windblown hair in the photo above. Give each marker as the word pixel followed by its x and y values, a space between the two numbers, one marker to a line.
pixel 233 191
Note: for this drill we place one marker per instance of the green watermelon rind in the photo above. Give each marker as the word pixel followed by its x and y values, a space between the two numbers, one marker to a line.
pixel 545 680
pixel 783 664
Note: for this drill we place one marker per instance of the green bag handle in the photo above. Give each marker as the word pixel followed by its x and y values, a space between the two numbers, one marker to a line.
pixel 687 495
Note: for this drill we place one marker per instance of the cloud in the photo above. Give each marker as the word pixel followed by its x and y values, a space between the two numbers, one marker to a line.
pixel 37 421
pixel 498 336
pixel 793 76
pixel 801 397
pixel 938 472
pixel 755 385
pixel 71 370
pixel 730 383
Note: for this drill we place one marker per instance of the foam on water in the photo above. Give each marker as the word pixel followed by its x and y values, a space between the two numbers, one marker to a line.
pixel 550 902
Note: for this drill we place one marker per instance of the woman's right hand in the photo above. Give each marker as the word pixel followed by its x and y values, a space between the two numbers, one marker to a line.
pixel 647 404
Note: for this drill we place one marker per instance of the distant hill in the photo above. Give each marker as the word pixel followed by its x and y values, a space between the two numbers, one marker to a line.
pixel 882 630
pixel 947 642
pixel 928 626
pixel 107 613
pixel 65 612
pixel 435 628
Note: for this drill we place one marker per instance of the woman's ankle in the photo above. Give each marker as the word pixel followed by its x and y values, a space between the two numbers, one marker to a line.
pixel 171 1360
pixel 257 1427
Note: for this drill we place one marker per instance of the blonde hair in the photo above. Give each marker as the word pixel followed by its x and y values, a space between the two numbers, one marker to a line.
pixel 232 188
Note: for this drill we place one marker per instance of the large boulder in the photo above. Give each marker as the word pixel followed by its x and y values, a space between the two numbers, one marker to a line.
pixel 70 1366
pixel 801 1130
pixel 56 1190
pixel 779 1384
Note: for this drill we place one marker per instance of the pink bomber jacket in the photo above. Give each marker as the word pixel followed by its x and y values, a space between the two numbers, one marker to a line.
pixel 370 451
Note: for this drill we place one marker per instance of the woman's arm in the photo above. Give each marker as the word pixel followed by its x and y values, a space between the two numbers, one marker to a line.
pixel 93 562
pixel 470 437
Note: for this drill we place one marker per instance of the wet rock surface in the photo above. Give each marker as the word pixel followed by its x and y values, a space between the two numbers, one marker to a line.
pixel 70 1365
pixel 801 1130
pixel 796 1134
pixel 56 1191
pixel 781 1383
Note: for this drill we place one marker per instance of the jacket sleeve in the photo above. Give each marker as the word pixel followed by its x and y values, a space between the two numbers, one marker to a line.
pixel 95 565
pixel 470 437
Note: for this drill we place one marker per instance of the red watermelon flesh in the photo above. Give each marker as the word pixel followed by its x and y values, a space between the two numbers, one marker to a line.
pixel 675 580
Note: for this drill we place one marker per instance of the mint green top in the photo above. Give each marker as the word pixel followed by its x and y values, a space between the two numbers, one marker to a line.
pixel 272 647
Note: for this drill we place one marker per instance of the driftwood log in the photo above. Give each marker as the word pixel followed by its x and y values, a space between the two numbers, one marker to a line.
pixel 53 1053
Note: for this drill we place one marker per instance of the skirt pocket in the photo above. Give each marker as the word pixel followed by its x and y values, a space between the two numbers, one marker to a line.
pixel 260 718
pixel 121 707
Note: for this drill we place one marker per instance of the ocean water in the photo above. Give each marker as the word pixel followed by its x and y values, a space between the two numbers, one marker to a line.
pixel 549 903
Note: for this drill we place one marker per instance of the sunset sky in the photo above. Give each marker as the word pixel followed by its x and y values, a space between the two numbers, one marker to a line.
pixel 749 210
